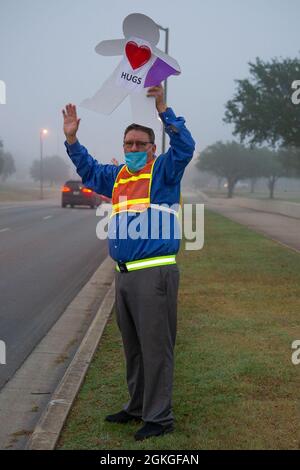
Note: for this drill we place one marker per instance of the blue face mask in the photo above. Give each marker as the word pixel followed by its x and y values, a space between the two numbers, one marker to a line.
pixel 135 161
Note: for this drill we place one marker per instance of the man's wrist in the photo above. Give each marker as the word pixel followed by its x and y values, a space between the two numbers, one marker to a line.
pixel 161 108
pixel 71 139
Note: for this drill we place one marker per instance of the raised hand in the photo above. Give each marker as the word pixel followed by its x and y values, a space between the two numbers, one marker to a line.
pixel 115 162
pixel 158 93
pixel 71 123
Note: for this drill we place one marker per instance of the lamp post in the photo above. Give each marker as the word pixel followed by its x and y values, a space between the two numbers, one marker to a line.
pixel 166 30
pixel 43 133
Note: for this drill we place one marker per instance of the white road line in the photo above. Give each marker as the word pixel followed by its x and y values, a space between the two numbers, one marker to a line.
pixel 5 229
pixel 47 217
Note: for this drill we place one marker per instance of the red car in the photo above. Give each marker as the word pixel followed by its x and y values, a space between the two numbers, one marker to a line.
pixel 74 193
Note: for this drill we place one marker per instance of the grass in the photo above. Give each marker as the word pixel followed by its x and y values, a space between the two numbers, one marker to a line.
pixel 16 192
pixel 235 386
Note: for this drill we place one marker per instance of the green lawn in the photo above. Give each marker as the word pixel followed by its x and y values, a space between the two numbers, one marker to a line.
pixel 235 385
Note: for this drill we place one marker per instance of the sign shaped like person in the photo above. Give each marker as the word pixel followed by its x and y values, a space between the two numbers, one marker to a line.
pixel 143 65
pixel 2 92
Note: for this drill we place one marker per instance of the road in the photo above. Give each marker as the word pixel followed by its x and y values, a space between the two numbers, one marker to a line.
pixel 47 254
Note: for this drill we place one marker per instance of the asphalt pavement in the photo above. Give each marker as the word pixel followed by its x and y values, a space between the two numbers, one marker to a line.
pixel 47 254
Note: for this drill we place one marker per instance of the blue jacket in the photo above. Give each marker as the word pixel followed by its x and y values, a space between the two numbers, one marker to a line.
pixel 165 189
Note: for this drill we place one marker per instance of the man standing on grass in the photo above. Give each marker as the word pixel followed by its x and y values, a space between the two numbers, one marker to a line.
pixel 147 276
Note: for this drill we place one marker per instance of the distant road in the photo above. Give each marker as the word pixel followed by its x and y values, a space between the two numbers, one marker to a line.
pixel 281 228
pixel 47 254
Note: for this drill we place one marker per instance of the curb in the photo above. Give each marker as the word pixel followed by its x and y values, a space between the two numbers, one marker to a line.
pixel 50 424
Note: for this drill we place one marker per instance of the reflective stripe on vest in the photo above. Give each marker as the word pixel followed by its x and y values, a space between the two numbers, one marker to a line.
pixel 132 178
pixel 131 192
pixel 149 262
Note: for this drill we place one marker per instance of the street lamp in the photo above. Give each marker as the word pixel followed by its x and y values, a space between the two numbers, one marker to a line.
pixel 43 133
pixel 166 30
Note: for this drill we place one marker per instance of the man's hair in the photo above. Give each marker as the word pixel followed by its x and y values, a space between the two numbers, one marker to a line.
pixel 138 127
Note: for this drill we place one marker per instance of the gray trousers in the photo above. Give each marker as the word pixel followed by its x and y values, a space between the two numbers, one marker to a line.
pixel 146 308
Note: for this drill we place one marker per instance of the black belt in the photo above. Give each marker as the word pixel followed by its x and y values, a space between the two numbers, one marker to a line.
pixel 122 267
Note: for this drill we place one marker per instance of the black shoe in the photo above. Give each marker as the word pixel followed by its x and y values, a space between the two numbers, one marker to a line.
pixel 152 429
pixel 122 417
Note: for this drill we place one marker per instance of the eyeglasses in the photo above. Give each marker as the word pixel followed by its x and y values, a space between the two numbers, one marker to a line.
pixel 139 144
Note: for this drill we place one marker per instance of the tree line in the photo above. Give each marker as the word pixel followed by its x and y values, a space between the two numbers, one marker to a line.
pixel 7 164
pixel 266 121
pixel 55 169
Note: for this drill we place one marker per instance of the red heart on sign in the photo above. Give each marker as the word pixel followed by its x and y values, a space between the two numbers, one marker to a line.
pixel 137 55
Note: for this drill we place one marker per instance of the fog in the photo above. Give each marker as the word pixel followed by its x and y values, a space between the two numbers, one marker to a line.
pixel 47 59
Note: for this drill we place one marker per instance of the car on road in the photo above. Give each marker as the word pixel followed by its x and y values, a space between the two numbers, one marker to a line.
pixel 74 193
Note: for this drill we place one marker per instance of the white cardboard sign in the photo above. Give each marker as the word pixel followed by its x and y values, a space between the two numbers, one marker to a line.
pixel 143 65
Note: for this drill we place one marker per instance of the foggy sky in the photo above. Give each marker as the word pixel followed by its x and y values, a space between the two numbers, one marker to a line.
pixel 47 59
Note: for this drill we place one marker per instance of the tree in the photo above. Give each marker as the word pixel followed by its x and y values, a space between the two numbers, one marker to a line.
pixel 262 110
pixel 272 167
pixel 290 159
pixel 254 166
pixel 8 165
pixel 235 162
pixel 55 170
pixel 35 170
pixel 226 160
